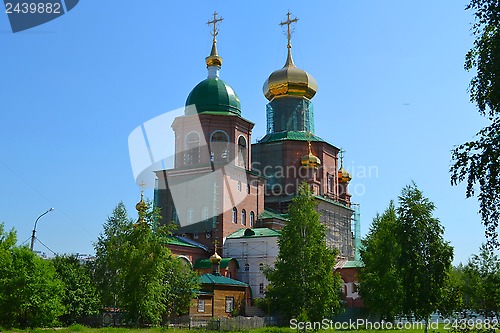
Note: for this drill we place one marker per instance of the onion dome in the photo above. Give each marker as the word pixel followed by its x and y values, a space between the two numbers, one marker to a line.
pixel 344 176
pixel 310 160
pixel 213 94
pixel 215 258
pixel 141 207
pixel 290 81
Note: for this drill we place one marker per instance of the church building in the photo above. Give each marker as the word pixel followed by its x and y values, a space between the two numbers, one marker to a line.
pixel 221 184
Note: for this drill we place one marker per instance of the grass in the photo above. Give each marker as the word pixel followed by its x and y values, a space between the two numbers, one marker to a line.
pixel 82 329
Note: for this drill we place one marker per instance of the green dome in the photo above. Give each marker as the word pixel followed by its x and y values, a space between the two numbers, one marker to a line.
pixel 213 95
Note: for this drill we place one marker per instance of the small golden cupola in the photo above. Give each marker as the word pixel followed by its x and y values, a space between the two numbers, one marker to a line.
pixel 290 80
pixel 310 160
pixel 343 174
pixel 141 207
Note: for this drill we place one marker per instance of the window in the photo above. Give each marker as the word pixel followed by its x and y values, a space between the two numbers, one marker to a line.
pixel 242 152
pixel 192 149
pixel 248 188
pixel 247 267
pixel 207 234
pixel 244 217
pixel 261 267
pixel 239 186
pixel 229 304
pixel 204 213
pixel 329 183
pixel 252 219
pixel 195 236
pixel 189 216
pixel 175 218
pixel 235 215
pixel 201 305
pixel 261 288
pixel 219 146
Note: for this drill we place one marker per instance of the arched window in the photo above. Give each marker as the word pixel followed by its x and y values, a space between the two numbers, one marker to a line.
pixel 239 186
pixel 242 152
pixel 192 149
pixel 247 267
pixel 244 217
pixel 235 215
pixel 219 142
pixel 252 219
pixel 261 266
pixel 261 288
pixel 248 188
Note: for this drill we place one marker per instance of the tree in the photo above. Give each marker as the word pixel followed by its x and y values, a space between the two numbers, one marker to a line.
pixel 80 299
pixel 482 276
pixel 407 262
pixel 30 292
pixel 380 282
pixel 132 260
pixel 302 280
pixel 477 162
pixel 425 259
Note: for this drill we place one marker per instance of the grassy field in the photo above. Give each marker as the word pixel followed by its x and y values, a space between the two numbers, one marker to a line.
pixel 83 329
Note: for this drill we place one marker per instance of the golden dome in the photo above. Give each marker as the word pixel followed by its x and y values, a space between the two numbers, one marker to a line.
pixel 344 176
pixel 215 258
pixel 310 160
pixel 290 81
pixel 213 59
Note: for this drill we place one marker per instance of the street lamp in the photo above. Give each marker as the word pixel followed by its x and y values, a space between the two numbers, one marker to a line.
pixel 34 228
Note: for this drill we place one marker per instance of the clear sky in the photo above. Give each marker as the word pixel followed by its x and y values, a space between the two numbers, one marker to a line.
pixel 392 93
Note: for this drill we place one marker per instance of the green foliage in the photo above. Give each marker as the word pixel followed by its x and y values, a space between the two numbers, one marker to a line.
pixel 407 262
pixel 476 162
pixel 137 273
pixel 302 281
pixel 425 257
pixel 30 292
pixel 381 288
pixel 482 283
pixel 80 294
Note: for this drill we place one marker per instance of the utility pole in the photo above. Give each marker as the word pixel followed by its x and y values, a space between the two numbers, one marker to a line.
pixel 34 228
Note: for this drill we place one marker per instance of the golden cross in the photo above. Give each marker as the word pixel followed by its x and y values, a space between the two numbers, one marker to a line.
pixel 216 20
pixel 289 22
pixel 216 242
pixel 341 153
pixel 142 185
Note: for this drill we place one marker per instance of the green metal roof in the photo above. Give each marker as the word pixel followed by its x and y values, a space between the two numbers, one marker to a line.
pixel 290 135
pixel 213 95
pixel 270 214
pixel 205 263
pixel 171 240
pixel 254 232
pixel 353 264
pixel 220 280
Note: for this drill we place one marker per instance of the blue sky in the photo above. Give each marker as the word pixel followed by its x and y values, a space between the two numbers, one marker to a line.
pixel 392 92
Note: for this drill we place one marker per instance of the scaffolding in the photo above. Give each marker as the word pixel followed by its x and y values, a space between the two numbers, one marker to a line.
pixel 291 114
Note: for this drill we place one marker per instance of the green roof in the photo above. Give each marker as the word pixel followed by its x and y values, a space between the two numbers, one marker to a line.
pixel 220 280
pixel 171 240
pixel 213 95
pixel 254 232
pixel 290 135
pixel 205 263
pixel 271 214
pixel 353 264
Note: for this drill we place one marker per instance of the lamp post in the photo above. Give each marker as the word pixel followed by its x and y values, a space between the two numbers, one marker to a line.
pixel 34 228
